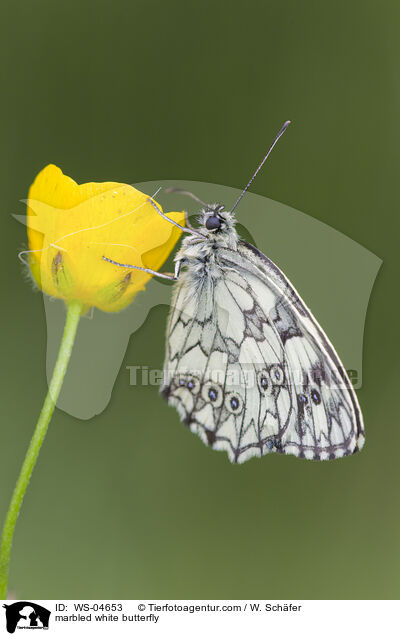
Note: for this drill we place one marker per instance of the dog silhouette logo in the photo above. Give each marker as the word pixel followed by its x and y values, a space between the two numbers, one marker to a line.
pixel 26 615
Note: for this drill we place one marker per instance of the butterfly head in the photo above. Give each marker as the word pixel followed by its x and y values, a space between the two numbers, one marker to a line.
pixel 216 219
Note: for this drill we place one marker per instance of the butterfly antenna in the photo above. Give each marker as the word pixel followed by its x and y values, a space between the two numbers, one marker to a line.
pixel 280 133
pixel 186 193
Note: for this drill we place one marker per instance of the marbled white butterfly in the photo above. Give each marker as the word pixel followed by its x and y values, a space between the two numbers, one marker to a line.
pixel 247 366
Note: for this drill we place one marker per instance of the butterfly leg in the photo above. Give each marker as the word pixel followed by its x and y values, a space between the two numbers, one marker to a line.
pixel 188 229
pixel 187 222
pixel 173 276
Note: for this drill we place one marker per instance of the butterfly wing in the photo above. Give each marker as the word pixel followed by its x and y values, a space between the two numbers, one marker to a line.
pixel 250 370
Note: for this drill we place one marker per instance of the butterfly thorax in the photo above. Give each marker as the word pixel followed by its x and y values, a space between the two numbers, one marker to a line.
pixel 200 253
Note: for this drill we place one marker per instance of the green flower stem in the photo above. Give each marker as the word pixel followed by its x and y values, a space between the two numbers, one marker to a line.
pixel 73 314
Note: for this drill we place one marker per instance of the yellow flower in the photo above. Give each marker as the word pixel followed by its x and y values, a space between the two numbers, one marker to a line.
pixel 71 227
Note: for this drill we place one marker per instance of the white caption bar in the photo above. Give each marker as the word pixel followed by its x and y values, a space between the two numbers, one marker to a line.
pixel 182 617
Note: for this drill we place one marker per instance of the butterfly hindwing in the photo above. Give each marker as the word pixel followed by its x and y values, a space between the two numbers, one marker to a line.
pixel 328 422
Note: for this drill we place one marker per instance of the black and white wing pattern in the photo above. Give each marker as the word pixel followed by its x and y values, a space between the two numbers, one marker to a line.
pixel 250 370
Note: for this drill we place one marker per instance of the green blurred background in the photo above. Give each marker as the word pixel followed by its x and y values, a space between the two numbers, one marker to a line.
pixel 130 504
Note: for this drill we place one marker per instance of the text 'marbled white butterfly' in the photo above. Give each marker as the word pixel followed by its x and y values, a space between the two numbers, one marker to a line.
pixel 247 366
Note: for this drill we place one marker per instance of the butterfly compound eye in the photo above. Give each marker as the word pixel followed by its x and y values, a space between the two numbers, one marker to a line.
pixel 213 223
